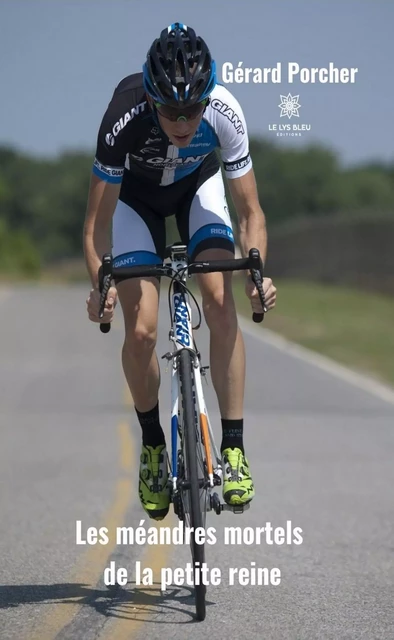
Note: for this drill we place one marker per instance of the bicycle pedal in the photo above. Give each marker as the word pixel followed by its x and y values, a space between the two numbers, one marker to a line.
pixel 215 503
pixel 236 509
pixel 240 509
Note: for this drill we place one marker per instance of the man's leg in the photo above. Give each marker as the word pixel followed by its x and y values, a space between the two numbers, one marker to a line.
pixel 227 352
pixel 140 301
pixel 227 359
pixel 207 227
pixel 139 298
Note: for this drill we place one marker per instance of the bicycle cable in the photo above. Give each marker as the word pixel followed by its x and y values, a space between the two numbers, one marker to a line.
pixel 187 290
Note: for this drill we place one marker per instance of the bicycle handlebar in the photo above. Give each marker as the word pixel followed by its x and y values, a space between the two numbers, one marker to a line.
pixel 107 272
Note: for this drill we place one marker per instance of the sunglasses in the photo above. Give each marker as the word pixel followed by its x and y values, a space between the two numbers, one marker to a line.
pixel 186 113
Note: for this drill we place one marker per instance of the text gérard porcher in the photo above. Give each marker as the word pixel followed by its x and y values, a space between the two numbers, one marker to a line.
pixel 331 74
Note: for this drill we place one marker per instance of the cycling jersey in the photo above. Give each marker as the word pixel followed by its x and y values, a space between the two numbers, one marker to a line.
pixel 131 141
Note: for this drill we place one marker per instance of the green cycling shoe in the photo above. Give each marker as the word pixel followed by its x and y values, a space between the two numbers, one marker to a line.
pixel 153 487
pixel 238 487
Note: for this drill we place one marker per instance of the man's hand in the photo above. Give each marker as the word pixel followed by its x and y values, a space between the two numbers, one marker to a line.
pixel 93 305
pixel 269 294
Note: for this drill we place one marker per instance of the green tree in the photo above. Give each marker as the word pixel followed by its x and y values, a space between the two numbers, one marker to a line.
pixel 18 255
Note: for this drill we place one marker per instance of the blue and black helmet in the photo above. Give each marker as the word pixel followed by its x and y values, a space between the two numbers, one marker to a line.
pixel 179 70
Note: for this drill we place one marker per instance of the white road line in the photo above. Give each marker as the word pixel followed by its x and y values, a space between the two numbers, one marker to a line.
pixel 359 380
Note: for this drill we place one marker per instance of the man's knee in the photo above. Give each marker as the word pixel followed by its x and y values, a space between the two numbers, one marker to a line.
pixel 140 340
pixel 217 295
pixel 139 300
pixel 219 308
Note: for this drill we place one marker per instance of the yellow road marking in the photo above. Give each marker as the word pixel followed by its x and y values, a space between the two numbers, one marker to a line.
pixel 128 400
pixel 146 601
pixel 136 612
pixel 91 565
pixel 126 452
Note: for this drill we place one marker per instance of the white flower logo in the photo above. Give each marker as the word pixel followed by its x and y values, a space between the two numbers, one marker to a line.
pixel 289 106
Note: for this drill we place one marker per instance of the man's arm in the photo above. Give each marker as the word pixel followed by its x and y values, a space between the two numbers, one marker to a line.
pixel 102 200
pixel 252 226
pixel 252 233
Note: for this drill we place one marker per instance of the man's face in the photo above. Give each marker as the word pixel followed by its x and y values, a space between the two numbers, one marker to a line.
pixel 181 131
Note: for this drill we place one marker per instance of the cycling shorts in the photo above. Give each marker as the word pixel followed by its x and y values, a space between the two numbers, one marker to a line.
pixel 198 203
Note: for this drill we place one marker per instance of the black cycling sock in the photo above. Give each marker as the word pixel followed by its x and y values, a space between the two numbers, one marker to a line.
pixel 152 433
pixel 232 434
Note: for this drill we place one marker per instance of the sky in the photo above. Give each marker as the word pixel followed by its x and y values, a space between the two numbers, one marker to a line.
pixel 60 61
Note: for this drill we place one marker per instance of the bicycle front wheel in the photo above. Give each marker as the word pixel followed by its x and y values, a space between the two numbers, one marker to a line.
pixel 191 495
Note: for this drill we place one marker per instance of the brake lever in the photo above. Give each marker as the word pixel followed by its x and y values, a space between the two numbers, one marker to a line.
pixel 105 277
pixel 257 271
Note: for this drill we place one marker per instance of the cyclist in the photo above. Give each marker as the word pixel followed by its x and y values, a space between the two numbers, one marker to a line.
pixel 156 157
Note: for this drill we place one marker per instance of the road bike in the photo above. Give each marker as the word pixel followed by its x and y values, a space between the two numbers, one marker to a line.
pixel 194 463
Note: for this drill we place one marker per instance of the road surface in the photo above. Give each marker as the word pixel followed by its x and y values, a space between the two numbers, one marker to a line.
pixel 321 449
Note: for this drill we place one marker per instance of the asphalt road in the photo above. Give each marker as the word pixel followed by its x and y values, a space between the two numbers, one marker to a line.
pixel 321 449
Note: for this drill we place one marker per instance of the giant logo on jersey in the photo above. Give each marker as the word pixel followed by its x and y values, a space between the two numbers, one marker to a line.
pixel 169 163
pixel 229 113
pixel 120 124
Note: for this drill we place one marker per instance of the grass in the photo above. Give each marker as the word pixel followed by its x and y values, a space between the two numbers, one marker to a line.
pixel 353 327
pixel 65 273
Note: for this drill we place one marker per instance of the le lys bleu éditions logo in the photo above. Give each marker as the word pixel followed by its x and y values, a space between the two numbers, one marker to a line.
pixel 289 108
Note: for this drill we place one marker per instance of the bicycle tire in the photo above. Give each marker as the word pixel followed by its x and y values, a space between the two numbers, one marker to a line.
pixel 190 444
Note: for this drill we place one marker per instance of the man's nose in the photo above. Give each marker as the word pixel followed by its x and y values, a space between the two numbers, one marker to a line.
pixel 182 126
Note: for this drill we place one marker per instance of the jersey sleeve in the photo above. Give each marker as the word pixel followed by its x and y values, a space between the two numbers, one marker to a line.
pixel 232 133
pixel 110 157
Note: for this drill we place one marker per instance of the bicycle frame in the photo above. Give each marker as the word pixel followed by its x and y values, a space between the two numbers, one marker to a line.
pixel 181 337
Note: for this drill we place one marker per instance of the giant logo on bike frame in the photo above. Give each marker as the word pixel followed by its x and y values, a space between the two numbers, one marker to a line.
pixel 181 320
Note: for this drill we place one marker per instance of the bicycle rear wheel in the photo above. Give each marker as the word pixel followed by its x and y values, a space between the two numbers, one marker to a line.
pixel 191 496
